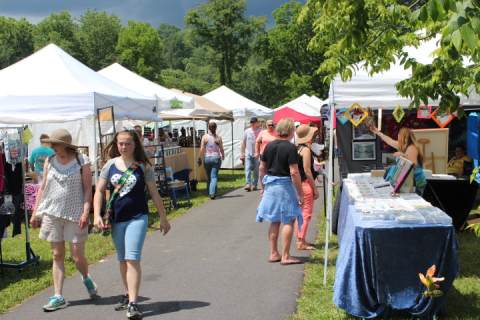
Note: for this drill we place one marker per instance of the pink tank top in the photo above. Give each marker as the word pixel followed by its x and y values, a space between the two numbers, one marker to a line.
pixel 212 148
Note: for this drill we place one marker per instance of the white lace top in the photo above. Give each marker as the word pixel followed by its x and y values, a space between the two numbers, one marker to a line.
pixel 63 194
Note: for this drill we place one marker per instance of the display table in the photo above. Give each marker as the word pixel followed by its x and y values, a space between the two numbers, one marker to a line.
pixel 192 156
pixel 380 258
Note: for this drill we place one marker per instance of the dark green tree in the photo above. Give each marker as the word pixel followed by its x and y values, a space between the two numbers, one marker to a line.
pixel 140 49
pixel 16 40
pixel 60 29
pixel 293 63
pixel 222 25
pixel 98 35
pixel 200 74
pixel 176 47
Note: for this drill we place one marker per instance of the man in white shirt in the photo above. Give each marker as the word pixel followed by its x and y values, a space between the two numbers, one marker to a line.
pixel 247 154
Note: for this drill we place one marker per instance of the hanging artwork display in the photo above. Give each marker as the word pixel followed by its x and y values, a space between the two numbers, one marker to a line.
pixel 442 119
pixel 424 112
pixel 342 116
pixel 398 113
pixel 356 114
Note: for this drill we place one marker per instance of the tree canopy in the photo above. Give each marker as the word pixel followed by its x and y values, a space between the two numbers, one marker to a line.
pixel 222 25
pixel 376 31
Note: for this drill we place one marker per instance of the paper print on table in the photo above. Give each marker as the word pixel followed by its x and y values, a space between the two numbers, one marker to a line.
pixel 424 112
pixel 398 113
pixel 342 116
pixel 363 150
pixel 356 114
pixel 442 119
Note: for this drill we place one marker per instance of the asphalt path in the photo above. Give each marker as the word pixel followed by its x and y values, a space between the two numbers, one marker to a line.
pixel 212 265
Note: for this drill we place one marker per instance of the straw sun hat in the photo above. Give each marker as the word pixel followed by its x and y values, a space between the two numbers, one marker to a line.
pixel 61 137
pixel 305 133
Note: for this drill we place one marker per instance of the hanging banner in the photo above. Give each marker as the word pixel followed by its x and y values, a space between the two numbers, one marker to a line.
pixel 424 112
pixel 442 119
pixel 399 113
pixel 356 114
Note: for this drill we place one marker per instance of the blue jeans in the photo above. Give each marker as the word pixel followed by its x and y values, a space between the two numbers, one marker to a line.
pixel 212 165
pixel 251 164
pixel 129 236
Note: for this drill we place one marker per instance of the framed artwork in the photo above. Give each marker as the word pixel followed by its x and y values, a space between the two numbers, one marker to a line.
pixel 442 119
pixel 434 145
pixel 356 114
pixel 341 116
pixel 363 150
pixel 362 133
pixel 424 112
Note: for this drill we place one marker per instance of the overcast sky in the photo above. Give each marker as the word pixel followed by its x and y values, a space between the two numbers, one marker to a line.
pixel 152 11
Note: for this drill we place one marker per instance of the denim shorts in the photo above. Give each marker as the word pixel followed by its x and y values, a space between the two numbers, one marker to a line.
pixel 129 237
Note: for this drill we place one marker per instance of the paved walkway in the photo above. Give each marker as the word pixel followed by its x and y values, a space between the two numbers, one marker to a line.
pixel 212 265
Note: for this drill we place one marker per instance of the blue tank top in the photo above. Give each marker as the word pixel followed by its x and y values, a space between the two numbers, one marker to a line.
pixel 132 200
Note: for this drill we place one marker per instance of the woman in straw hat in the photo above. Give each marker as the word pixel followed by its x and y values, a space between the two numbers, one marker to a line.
pixel 62 206
pixel 128 174
pixel 305 136
pixel 282 191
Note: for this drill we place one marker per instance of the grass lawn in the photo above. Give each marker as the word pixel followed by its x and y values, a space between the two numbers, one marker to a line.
pixel 16 286
pixel 463 300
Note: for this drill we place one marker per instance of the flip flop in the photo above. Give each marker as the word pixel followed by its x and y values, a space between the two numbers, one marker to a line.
pixel 274 260
pixel 291 261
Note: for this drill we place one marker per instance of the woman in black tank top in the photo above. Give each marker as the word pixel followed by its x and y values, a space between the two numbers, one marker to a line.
pixel 305 135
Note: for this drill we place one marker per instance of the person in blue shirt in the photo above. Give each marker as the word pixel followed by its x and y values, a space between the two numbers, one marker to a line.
pixel 39 155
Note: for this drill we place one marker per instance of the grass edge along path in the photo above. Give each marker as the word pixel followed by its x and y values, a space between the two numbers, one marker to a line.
pixel 16 287
pixel 316 301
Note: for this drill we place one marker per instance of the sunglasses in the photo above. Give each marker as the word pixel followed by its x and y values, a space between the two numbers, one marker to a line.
pixel 271 125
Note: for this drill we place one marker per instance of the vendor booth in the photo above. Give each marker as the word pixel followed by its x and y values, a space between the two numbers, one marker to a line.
pixel 48 90
pixel 242 109
pixel 51 89
pixel 382 234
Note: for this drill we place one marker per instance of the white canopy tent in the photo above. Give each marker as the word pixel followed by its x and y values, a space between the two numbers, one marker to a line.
pixel 51 89
pixel 129 79
pixel 243 109
pixel 378 90
pixel 308 105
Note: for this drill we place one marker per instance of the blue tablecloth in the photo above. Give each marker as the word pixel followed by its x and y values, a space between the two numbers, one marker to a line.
pixel 378 264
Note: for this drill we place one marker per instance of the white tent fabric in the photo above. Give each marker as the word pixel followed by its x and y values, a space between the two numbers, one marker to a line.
pixel 238 104
pixel 243 109
pixel 306 105
pixel 52 86
pixel 129 79
pixel 378 90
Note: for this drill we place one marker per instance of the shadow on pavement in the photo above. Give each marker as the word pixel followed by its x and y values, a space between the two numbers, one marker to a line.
pixel 162 307
pixel 101 301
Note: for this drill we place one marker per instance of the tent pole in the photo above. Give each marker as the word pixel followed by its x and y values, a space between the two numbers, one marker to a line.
pixel 194 150
pixel 95 151
pixel 233 155
pixel 329 196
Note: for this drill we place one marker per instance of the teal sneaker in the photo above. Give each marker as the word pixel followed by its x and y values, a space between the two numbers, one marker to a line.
pixel 54 303
pixel 90 286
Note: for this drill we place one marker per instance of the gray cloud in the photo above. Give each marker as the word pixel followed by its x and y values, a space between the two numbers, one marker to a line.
pixel 152 11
